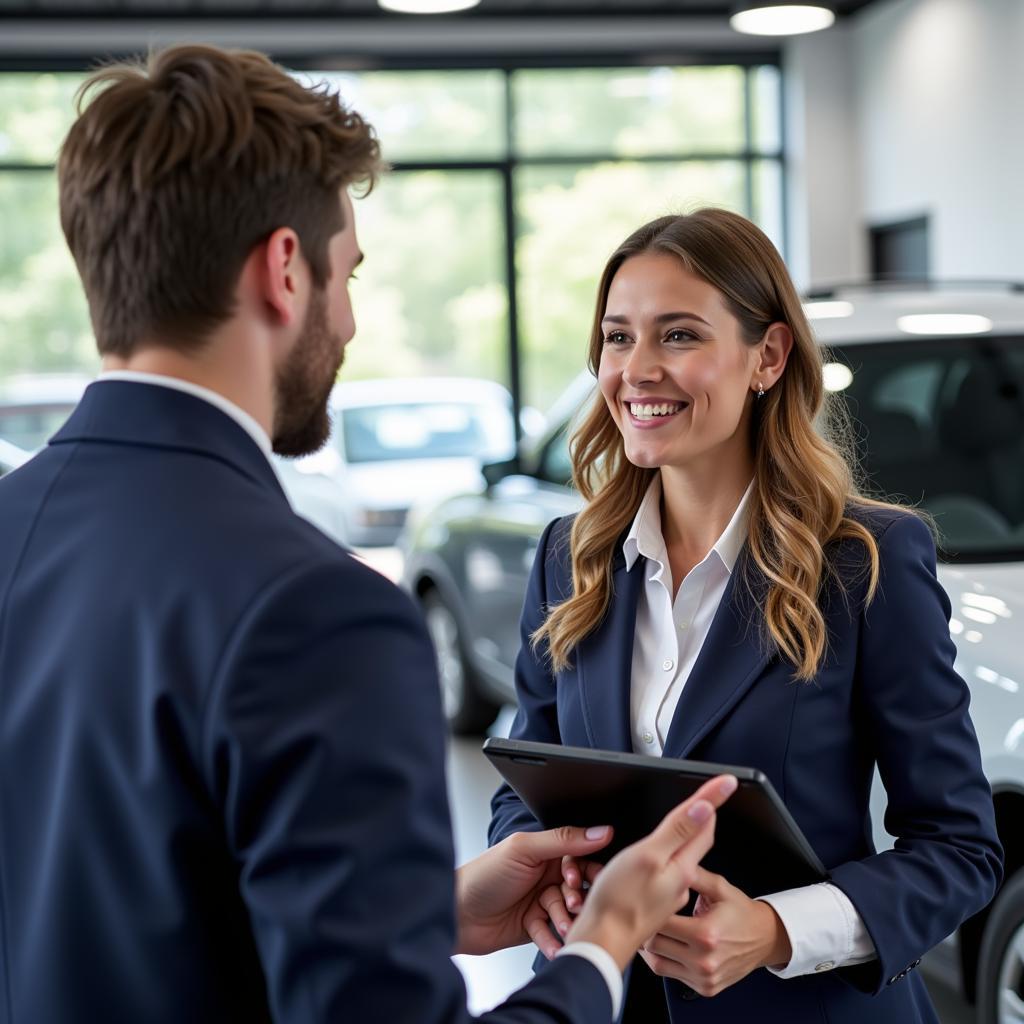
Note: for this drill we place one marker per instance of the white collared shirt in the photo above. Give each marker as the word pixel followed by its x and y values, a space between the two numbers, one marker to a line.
pixel 824 928
pixel 247 422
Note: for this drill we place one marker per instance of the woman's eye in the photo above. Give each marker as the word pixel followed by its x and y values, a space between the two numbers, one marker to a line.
pixel 615 338
pixel 680 336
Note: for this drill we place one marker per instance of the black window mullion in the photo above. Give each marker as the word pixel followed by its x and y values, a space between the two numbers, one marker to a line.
pixel 511 281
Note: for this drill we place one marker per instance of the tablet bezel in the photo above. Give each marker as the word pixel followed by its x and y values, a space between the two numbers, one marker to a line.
pixel 754 784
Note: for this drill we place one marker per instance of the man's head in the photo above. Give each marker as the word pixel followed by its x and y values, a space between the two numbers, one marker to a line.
pixel 176 171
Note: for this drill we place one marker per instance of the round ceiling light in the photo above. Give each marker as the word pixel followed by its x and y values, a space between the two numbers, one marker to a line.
pixel 427 6
pixel 775 18
pixel 944 323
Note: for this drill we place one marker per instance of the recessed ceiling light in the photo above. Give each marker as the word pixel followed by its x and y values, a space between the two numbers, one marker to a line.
pixel 944 323
pixel 827 310
pixel 777 18
pixel 836 376
pixel 427 6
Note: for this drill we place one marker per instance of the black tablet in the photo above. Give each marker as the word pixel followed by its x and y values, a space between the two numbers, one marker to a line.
pixel 758 846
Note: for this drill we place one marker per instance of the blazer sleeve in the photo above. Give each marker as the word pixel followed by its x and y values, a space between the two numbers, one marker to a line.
pixel 324 750
pixel 537 714
pixel 947 861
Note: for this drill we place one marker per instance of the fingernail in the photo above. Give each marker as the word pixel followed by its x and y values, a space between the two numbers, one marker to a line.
pixel 729 784
pixel 563 928
pixel 700 811
pixel 596 832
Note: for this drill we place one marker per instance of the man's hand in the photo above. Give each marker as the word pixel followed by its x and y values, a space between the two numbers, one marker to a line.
pixel 644 885
pixel 506 896
pixel 728 936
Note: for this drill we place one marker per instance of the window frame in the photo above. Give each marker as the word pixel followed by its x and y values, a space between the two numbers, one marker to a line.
pixel 507 166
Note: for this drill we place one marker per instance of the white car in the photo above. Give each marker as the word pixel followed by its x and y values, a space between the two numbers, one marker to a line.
pixel 33 407
pixel 396 443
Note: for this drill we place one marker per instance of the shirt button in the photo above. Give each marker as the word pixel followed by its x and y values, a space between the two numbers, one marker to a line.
pixel 825 965
pixel 648 737
pixel 668 664
pixel 684 625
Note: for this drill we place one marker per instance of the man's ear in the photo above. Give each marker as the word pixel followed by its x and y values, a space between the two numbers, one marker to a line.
pixel 775 347
pixel 284 276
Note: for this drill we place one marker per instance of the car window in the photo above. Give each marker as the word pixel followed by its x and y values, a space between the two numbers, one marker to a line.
pixel 427 430
pixel 555 465
pixel 31 426
pixel 940 424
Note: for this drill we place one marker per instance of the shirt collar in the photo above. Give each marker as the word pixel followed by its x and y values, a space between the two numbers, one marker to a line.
pixel 247 422
pixel 645 537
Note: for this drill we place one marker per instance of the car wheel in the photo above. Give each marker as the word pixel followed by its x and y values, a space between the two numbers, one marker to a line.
pixel 467 710
pixel 1001 961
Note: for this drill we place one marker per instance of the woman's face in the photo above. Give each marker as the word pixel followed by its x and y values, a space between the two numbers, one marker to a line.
pixel 675 371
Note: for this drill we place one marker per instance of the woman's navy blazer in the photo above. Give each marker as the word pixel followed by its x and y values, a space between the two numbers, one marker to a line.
pixel 886 695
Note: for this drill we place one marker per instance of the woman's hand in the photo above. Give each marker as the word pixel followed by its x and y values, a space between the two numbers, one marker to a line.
pixel 728 936
pixel 508 894
pixel 578 873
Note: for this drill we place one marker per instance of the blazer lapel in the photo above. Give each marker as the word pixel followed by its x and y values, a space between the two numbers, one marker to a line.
pixel 732 658
pixel 605 661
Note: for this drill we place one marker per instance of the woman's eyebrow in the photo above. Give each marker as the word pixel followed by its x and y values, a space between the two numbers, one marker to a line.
pixel 661 318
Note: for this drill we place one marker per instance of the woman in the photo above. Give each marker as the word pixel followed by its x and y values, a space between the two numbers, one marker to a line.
pixel 727 595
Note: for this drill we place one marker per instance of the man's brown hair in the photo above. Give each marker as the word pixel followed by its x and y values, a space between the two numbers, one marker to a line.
pixel 179 165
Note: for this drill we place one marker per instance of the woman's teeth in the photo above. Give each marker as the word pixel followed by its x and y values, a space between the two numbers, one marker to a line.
pixel 647 412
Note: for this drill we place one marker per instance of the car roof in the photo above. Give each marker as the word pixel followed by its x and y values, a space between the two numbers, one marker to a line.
pixel 872 311
pixel 402 390
pixel 43 388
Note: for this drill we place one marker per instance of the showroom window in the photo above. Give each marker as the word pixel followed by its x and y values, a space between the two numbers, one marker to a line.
pixel 510 189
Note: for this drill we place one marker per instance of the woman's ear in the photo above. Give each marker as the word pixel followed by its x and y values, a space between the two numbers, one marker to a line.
pixel 775 347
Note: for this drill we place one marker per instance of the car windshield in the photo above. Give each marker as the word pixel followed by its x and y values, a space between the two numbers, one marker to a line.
pixel 940 424
pixel 427 430
pixel 30 426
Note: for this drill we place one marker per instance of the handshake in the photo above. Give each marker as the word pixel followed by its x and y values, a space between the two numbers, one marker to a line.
pixel 517 890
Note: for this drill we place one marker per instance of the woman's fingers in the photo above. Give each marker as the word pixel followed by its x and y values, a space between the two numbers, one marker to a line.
pixel 572 898
pixel 539 930
pixel 554 906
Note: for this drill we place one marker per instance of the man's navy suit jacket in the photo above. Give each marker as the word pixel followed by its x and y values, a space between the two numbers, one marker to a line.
pixel 886 694
pixel 222 790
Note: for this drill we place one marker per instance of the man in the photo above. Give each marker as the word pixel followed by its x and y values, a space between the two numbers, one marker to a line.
pixel 221 746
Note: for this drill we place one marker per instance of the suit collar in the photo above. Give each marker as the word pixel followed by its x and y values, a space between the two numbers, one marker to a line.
pixel 142 414
pixel 732 658
pixel 247 422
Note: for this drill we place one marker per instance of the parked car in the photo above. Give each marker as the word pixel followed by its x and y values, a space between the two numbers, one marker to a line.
pixel 11 457
pixel 396 442
pixel 33 407
pixel 937 403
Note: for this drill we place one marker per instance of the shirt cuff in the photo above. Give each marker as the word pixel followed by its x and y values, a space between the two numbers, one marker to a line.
pixel 605 963
pixel 824 929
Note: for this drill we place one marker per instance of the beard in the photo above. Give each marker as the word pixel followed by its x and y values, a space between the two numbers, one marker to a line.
pixel 303 384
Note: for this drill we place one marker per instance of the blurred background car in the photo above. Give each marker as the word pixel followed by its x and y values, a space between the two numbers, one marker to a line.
pixel 33 407
pixel 11 457
pixel 933 379
pixel 397 442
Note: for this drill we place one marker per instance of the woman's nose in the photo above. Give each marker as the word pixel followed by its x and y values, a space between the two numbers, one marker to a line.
pixel 643 365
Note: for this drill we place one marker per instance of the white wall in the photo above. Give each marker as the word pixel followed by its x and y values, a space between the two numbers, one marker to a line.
pixel 824 228
pixel 931 93
pixel 941 98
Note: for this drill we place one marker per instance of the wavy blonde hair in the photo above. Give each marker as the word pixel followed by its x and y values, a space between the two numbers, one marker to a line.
pixel 803 483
